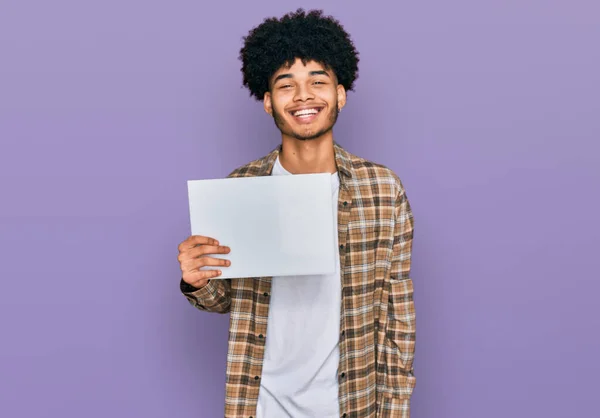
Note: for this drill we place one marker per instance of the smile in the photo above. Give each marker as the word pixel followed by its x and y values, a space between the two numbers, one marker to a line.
pixel 306 115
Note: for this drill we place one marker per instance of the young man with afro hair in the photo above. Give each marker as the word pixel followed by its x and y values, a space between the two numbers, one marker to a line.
pixel 317 346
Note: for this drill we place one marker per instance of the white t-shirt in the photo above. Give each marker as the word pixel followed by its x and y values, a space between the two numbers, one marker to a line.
pixel 300 369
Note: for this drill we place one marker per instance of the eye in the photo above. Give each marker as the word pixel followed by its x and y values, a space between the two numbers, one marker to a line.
pixel 318 82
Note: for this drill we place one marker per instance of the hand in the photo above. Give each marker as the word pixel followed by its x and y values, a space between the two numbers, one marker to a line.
pixel 193 255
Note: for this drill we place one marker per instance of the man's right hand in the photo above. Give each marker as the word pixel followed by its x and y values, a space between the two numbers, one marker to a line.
pixel 193 255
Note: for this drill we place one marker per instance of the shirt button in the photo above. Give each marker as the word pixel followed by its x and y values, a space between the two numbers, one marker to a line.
pixel 260 336
pixel 256 377
pixel 343 416
pixel 342 247
pixel 265 294
pixel 343 332
pixel 345 203
pixel 343 375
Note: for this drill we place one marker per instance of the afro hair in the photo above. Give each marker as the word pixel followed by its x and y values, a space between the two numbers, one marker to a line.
pixel 298 35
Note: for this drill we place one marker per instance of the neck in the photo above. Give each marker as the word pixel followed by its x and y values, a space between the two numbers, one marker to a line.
pixel 308 157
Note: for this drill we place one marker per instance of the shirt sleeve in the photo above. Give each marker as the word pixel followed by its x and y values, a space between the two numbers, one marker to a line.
pixel 214 297
pixel 401 329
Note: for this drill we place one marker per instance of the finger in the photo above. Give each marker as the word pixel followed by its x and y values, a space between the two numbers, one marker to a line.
pixel 193 264
pixel 209 262
pixel 205 250
pixel 201 250
pixel 194 240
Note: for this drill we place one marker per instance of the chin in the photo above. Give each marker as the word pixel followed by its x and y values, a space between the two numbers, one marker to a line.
pixel 311 135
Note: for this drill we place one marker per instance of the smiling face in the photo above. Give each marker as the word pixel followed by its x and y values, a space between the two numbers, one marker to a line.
pixel 304 100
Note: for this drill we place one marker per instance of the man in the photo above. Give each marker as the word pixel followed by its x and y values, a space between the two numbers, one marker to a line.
pixel 316 346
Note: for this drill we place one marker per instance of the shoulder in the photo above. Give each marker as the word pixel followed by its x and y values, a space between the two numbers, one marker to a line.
pixel 259 167
pixel 371 173
pixel 380 186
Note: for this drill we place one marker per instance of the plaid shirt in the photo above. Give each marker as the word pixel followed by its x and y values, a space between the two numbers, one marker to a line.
pixel 377 327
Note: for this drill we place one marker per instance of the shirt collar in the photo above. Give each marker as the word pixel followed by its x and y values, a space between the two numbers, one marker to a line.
pixel 343 161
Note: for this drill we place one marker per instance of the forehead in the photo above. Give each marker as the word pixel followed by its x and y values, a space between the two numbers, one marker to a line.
pixel 298 68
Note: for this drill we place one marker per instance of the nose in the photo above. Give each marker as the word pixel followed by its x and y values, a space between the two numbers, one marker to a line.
pixel 303 93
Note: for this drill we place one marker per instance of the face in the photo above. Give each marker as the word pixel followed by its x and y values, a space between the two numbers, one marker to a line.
pixel 304 100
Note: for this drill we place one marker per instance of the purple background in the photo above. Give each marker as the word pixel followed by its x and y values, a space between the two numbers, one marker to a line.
pixel 490 114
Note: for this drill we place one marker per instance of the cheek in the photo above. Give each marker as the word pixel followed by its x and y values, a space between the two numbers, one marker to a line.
pixel 279 103
pixel 329 96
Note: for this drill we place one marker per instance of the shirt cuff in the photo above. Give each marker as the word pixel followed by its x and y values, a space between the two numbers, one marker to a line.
pixel 208 291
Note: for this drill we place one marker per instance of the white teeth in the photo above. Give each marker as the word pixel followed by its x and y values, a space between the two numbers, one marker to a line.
pixel 306 112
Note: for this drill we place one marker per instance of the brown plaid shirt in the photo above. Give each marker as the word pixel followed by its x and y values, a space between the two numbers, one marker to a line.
pixel 377 327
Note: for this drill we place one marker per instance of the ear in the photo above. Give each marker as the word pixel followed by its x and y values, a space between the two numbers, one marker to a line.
pixel 341 96
pixel 268 104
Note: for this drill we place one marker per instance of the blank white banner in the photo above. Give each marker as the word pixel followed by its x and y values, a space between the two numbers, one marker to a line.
pixel 274 225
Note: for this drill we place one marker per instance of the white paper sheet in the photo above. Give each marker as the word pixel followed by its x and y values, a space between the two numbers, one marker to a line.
pixel 274 225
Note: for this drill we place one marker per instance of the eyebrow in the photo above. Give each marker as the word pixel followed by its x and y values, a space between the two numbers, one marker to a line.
pixel 288 75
